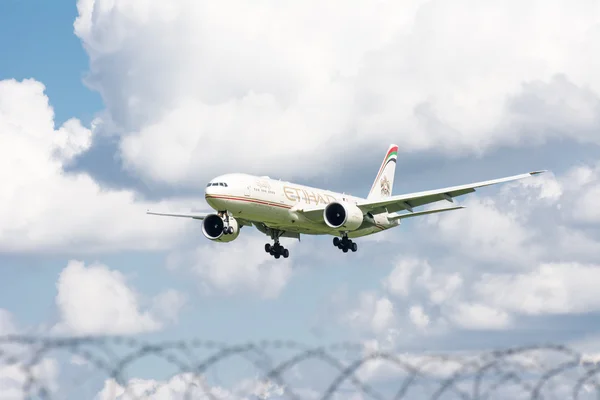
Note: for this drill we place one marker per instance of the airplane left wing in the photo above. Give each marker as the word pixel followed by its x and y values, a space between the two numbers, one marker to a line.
pixel 408 201
pixel 313 213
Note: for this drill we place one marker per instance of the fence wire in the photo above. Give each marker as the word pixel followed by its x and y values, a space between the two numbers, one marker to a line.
pixel 126 368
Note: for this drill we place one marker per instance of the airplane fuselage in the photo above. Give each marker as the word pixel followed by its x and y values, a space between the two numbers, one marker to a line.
pixel 270 201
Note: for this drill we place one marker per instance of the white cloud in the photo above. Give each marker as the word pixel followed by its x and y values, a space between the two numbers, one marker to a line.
pixel 416 279
pixel 44 209
pixel 13 379
pixel 238 267
pixel 484 232
pixel 182 88
pixel 97 300
pixel 7 323
pixel 531 224
pixel 182 386
pixel 479 316
pixel 551 288
pixel 586 208
pixel 167 305
pixel 398 282
pixel 418 317
pixel 373 314
pixel 15 374
pixel 526 194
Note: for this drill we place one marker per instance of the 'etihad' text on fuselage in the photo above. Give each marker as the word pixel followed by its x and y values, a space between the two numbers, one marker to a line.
pixel 297 194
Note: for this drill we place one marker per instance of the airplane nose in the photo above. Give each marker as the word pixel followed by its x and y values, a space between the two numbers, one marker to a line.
pixel 211 190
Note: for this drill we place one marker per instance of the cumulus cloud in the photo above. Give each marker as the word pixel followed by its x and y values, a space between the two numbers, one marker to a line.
pixel 484 232
pixel 13 379
pixel 478 316
pixel 557 288
pixel 418 317
pixel 7 323
pixel 180 87
pixel 182 386
pixel 239 267
pixel 44 209
pixel 15 375
pixel 542 226
pixel 372 313
pixel 399 280
pixel 96 300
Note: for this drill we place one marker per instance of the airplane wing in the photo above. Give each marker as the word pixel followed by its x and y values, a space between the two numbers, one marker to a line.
pixel 196 215
pixel 408 201
pixel 199 216
pixel 393 204
pixel 396 216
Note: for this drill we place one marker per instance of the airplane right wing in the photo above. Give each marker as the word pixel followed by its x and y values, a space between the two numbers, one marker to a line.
pixel 199 216
pixel 196 215
pixel 408 201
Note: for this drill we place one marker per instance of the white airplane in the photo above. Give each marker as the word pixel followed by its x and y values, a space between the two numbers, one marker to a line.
pixel 284 209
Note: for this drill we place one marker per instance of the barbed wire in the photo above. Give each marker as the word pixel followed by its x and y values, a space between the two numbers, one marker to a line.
pixel 285 370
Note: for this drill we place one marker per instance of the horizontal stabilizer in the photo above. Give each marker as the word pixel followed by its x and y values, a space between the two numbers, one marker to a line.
pixel 395 216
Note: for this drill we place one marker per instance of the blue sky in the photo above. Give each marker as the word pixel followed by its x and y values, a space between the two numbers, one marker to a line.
pixel 150 100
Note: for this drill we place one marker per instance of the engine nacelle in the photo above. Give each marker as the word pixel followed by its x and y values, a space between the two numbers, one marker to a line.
pixel 212 228
pixel 343 216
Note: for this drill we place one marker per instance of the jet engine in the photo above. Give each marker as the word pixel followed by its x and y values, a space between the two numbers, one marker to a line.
pixel 213 227
pixel 343 216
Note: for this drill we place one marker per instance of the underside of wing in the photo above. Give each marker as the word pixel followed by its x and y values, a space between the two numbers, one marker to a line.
pixel 411 200
pixel 313 213
pixel 194 215
pixel 398 216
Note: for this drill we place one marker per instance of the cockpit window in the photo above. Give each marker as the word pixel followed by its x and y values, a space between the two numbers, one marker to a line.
pixel 217 184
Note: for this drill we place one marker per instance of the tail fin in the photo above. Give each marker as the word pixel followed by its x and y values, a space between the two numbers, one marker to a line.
pixel 384 181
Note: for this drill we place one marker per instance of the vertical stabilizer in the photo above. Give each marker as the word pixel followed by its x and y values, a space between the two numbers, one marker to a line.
pixel 384 181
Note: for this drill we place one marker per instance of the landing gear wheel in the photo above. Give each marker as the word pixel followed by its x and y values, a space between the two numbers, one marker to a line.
pixel 230 230
pixel 345 244
pixel 225 230
pixel 276 249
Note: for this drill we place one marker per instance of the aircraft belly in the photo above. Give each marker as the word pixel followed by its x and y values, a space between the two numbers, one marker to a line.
pixel 364 232
pixel 278 216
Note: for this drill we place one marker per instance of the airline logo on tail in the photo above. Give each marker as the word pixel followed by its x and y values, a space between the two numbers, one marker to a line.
pixel 384 180
pixel 385 186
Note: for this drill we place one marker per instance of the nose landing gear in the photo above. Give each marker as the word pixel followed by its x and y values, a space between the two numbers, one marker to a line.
pixel 345 244
pixel 227 229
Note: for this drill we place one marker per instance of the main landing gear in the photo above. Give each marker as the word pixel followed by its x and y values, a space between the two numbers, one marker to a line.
pixel 276 250
pixel 345 244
